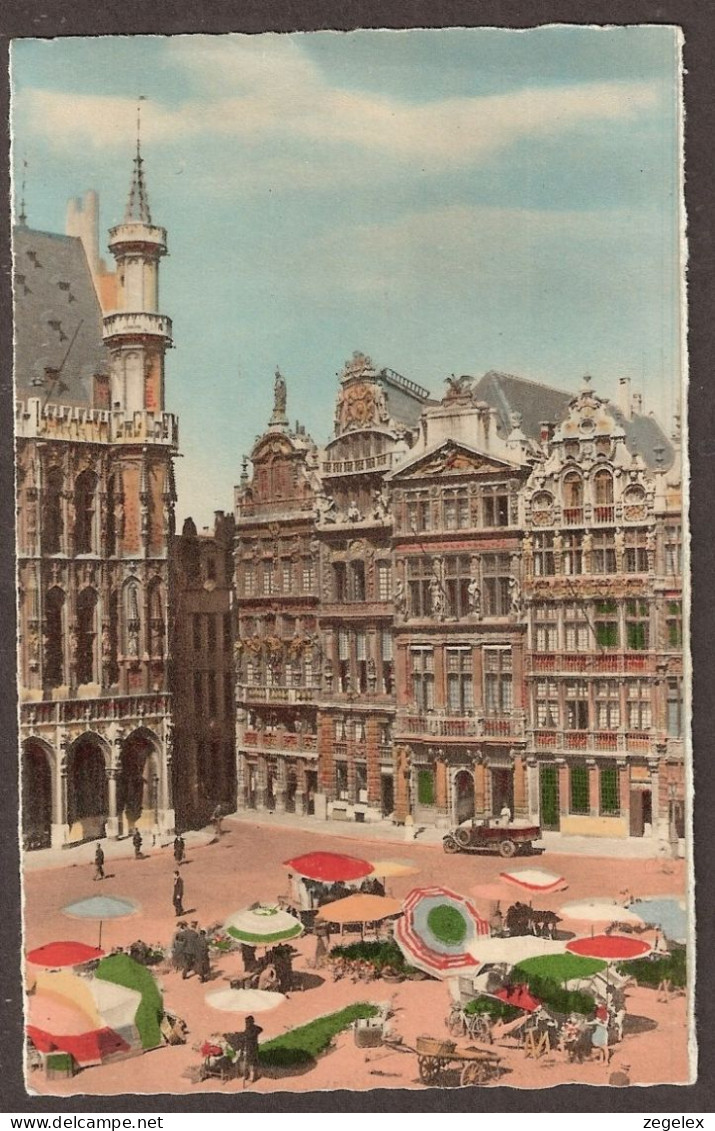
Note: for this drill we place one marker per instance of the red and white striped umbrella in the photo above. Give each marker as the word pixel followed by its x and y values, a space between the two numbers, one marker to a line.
pixel 437 929
pixel 535 881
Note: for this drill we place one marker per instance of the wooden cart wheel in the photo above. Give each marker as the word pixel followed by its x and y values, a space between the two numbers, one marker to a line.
pixel 474 1072
pixel 429 1069
pixel 480 1029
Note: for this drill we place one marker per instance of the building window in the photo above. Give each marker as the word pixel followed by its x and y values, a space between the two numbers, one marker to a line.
pixel 572 553
pixel 638 705
pixel 356 581
pixel 86 635
pixel 419 516
pixel 608 704
pixel 249 580
pixel 636 555
pixel 52 523
pixel 425 787
pixel 54 633
pixel 211 568
pixel 212 696
pixel 573 498
pixel 343 659
pixel 422 661
pixel 308 575
pixel 497 681
pixel 111 521
pixel 674 706
pixel 287 575
pixel 603 552
pixel 361 782
pixel 637 625
pixel 341 781
pixel 227 696
pixel 84 501
pixel 456 509
pixel 198 694
pixel 544 565
pixel 576 704
pixel 384 581
pixel 579 798
pixel 361 658
pixel 496 575
pixel 608 792
pixel 457 580
pixel 196 632
pixel 420 575
pixel 603 496
pixel 227 634
pixel 211 633
pixel 547 704
pixel 460 693
pixel 267 576
pixel 606 624
pixel 577 631
pixel 673 546
pixel 674 624
pixel 495 506
pixel 387 661
pixel 340 587
pixel 546 636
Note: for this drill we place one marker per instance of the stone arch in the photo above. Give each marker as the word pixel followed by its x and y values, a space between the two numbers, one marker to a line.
pixel 463 786
pixel 139 779
pixel 88 759
pixel 37 788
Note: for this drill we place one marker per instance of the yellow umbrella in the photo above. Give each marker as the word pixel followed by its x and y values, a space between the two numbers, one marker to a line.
pixel 388 868
pixel 359 908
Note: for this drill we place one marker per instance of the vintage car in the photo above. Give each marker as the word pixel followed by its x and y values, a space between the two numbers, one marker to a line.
pixel 490 835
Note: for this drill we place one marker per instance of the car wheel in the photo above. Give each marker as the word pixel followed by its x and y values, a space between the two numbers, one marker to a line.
pixel 462 837
pixel 507 848
pixel 450 845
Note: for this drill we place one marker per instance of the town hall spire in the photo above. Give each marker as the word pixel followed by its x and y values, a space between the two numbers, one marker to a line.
pixel 138 201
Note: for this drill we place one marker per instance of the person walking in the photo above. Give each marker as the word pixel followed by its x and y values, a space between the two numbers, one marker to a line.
pixel 178 948
pixel 191 945
pixel 137 842
pixel 178 896
pixel 98 863
pixel 251 1034
pixel 179 849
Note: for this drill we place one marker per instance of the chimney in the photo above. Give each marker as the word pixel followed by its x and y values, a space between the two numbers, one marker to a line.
pixel 637 404
pixel 624 396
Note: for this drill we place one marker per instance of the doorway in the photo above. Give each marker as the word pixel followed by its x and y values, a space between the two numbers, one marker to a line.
pixel 502 790
pixel 387 794
pixel 641 812
pixel 463 796
pixel 549 807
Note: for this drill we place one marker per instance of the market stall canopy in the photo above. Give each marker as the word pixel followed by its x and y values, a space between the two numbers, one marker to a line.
pixel 360 908
pixel 535 881
pixel 55 955
pixel 518 996
pixel 263 924
pixel 610 948
pixel 667 912
pixel 514 949
pixel 329 867
pixel 244 1001
pixel 101 907
pixel 85 1017
pixel 389 869
pixel 436 930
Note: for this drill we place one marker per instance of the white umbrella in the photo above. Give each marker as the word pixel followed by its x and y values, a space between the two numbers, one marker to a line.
pixel 535 881
pixel 513 950
pixel 600 911
pixel 262 925
pixel 244 1001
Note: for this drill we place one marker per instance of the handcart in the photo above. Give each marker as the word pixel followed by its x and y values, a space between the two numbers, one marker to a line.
pixel 435 1057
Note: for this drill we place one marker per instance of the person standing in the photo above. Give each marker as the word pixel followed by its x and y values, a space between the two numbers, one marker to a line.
pixel 203 966
pixel 251 1034
pixel 178 948
pixel 179 849
pixel 137 842
pixel 178 896
pixel 98 863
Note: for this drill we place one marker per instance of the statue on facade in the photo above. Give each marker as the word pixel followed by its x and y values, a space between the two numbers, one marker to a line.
pixel 381 507
pixel 280 395
pixel 437 598
pixel 353 512
pixel 474 597
pixel 325 508
pixel 399 599
pixel 516 605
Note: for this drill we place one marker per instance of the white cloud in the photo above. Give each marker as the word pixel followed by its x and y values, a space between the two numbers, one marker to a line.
pixel 265 88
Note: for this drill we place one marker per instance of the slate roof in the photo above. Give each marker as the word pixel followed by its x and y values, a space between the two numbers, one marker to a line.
pixel 536 403
pixel 58 320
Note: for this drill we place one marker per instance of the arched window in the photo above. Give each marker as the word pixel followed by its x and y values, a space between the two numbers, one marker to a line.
pixel 573 490
pixel 54 637
pixel 84 503
pixel 52 524
pixel 113 642
pixel 111 524
pixel 603 488
pixel 132 620
pixel 86 635
pixel 156 620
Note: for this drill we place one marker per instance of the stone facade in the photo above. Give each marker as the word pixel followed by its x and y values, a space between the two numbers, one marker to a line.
pixel 95 497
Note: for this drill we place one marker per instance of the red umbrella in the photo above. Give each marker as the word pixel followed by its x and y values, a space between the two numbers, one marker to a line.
pixel 611 948
pixel 55 955
pixel 519 996
pixel 329 867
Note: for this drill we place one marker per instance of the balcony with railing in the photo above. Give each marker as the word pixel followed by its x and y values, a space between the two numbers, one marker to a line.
pixel 381 462
pixel 604 514
pixel 112 708
pixel 280 740
pixel 593 742
pixel 257 693
pixel 506 727
pixel 572 516
pixel 139 324
pixel 579 663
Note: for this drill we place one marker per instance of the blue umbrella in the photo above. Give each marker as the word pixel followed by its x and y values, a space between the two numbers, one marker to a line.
pixel 101 907
pixel 667 912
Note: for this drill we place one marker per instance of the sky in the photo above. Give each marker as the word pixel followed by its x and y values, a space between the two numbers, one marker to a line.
pixel 445 201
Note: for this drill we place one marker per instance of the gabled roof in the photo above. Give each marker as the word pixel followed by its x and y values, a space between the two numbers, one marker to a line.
pixel 451 457
pixel 58 320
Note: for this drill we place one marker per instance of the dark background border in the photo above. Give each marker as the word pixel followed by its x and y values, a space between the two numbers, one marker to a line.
pixel 24 18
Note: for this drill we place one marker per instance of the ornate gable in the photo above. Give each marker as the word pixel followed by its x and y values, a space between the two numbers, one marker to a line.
pixel 452 459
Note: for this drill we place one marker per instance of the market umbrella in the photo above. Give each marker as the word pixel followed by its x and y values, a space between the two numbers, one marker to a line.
pixel 101 907
pixel 597 911
pixel 514 949
pixel 55 955
pixel 329 867
pixel 436 929
pixel 388 869
pixel 244 1001
pixel 535 881
pixel 263 924
pixel 667 912
pixel 609 948
pixel 65 1014
pixel 359 908
pixel 519 996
